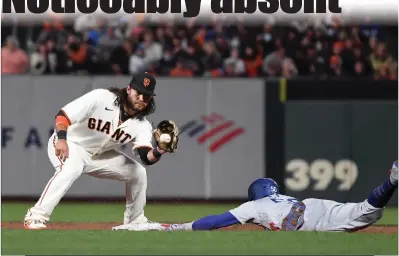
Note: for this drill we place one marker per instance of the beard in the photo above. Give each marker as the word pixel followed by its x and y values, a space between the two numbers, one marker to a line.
pixel 138 107
pixel 130 105
pixel 135 107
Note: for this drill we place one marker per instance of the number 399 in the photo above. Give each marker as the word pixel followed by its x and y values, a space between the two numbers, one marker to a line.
pixel 322 172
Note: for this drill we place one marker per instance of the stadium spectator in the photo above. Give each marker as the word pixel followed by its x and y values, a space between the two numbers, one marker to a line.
pixel 211 60
pixel 383 73
pixel 120 58
pixel 107 43
pixel 335 69
pixel 153 50
pixel 167 62
pixel 289 69
pixel 136 62
pixel 53 30
pixel 47 59
pixel 181 70
pixel 361 58
pixel 253 62
pixel 80 55
pixel 273 62
pixel 380 59
pixel 359 69
pixel 123 45
pixel 56 59
pixel 313 62
pixel 95 33
pixel 235 63
pixel 348 56
pixel 193 59
pixel 13 59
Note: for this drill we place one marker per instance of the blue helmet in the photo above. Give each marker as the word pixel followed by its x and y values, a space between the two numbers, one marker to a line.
pixel 261 188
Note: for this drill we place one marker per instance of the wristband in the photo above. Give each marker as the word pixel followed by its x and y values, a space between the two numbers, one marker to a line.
pixel 61 134
pixel 158 152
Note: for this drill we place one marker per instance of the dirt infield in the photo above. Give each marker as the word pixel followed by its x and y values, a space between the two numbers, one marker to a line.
pixel 109 225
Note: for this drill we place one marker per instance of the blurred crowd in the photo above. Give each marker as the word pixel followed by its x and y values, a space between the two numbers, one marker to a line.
pixel 96 46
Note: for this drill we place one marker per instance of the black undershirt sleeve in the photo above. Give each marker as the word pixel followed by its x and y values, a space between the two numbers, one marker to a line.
pixel 143 155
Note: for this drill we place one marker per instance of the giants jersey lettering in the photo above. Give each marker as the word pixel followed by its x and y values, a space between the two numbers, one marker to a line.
pixel 95 124
pixel 268 212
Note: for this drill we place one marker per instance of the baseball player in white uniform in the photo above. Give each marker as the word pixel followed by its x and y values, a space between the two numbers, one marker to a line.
pixel 89 132
pixel 276 212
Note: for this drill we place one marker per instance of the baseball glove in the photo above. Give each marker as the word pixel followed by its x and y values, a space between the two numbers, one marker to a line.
pixel 168 127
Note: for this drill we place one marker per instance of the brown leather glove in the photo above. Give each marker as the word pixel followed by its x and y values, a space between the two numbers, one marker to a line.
pixel 168 127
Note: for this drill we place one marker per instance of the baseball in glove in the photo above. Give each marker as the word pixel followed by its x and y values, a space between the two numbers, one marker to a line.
pixel 167 127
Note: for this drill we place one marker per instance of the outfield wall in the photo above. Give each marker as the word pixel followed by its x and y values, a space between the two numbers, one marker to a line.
pixel 326 139
pixel 339 139
pixel 339 149
pixel 216 167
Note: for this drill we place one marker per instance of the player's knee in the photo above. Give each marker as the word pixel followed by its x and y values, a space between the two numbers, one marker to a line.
pixel 372 217
pixel 378 214
pixel 69 172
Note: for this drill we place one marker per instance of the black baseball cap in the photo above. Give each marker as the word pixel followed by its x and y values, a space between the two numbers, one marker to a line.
pixel 143 83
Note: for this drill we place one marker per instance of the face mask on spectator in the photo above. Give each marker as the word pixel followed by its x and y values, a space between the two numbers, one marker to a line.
pixel 167 56
pixel 267 37
pixel 319 46
pixel 235 43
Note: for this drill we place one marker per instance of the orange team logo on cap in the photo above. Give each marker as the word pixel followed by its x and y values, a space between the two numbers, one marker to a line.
pixel 146 82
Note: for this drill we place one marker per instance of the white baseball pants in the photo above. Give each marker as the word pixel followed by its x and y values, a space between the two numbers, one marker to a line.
pixel 112 165
pixel 328 215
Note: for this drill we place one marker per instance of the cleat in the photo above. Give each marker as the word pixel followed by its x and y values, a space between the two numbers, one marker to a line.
pixel 35 221
pixel 34 224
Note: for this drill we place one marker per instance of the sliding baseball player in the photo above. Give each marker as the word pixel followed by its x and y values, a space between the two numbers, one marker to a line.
pixel 268 208
pixel 89 133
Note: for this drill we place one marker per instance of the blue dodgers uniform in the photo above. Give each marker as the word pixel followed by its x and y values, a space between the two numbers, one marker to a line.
pixel 275 212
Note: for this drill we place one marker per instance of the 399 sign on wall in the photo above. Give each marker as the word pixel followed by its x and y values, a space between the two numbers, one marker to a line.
pixel 318 174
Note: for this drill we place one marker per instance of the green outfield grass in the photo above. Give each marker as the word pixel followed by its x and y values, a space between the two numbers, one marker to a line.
pixel 51 242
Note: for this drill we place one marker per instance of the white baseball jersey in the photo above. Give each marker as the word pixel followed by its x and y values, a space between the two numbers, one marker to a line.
pixel 95 124
pixel 94 137
pixel 268 212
